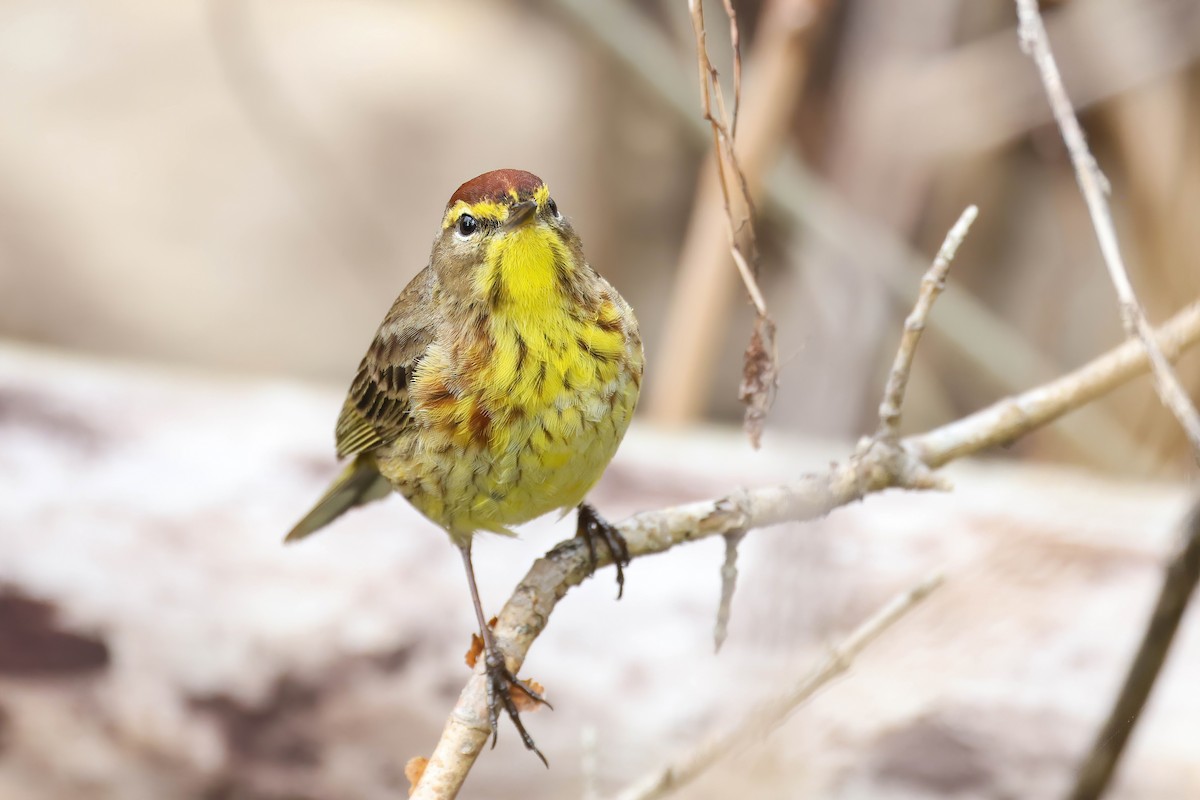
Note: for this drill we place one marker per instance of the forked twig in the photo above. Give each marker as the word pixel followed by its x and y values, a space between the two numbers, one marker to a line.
pixel 1094 186
pixel 889 409
pixel 770 713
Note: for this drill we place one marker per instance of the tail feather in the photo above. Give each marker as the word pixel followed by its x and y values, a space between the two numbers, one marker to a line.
pixel 358 484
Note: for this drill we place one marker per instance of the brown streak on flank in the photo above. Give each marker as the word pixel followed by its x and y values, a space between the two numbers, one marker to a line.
pixel 480 424
pixel 438 395
pixel 483 349
pixel 540 380
pixel 496 186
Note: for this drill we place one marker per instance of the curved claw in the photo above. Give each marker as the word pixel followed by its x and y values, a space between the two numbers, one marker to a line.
pixel 499 692
pixel 590 525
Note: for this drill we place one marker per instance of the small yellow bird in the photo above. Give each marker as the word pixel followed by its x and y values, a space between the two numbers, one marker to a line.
pixel 497 388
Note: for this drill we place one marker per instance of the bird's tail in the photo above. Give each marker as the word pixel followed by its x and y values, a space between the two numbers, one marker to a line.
pixel 359 483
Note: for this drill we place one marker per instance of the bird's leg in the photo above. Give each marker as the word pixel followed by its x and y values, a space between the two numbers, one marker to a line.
pixel 499 679
pixel 591 525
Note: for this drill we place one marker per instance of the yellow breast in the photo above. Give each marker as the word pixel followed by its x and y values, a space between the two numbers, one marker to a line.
pixel 519 420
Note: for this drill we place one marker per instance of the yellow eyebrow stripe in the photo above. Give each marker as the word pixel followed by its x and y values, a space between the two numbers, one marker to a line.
pixel 491 210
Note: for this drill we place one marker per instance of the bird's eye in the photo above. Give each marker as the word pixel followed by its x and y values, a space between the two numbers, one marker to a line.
pixel 467 225
pixel 553 206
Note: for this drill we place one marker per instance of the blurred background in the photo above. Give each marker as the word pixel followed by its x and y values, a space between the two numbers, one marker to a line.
pixel 206 207
pixel 245 186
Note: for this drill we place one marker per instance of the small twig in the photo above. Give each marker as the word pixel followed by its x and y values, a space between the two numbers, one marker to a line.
pixel 1179 582
pixel 735 41
pixel 1095 187
pixel 931 286
pixel 729 576
pixel 760 369
pixel 769 714
pixel 877 465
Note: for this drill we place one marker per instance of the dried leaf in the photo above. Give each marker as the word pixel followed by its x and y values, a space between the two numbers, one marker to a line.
pixel 413 770
pixel 523 701
pixel 477 645
pixel 760 377
pixel 474 651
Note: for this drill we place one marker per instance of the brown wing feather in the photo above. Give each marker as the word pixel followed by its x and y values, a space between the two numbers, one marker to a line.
pixel 376 408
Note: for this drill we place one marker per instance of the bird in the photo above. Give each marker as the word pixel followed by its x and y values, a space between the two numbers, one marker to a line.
pixel 495 391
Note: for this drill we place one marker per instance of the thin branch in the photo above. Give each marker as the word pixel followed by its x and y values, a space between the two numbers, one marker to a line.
pixel 1179 582
pixel 735 42
pixel 760 369
pixel 876 465
pixel 771 713
pixel 931 286
pixel 1094 186
pixel 723 124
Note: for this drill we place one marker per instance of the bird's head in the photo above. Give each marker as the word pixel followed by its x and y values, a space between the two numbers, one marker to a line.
pixel 503 239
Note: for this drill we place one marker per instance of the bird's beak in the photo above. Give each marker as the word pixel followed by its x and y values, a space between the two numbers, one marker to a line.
pixel 519 214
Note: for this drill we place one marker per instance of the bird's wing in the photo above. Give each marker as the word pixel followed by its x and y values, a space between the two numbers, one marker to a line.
pixel 377 406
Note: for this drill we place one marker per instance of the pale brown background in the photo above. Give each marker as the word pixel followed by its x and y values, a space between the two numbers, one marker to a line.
pixel 229 194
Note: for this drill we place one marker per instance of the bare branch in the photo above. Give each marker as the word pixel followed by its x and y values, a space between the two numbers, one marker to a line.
pixel 1094 187
pixel 735 41
pixel 931 286
pixel 760 369
pixel 770 713
pixel 1013 417
pixel 876 465
pixel 1179 582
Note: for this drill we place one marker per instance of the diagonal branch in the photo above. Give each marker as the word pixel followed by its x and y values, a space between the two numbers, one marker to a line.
pixel 1179 583
pixel 931 286
pixel 875 465
pixel 772 712
pixel 1094 187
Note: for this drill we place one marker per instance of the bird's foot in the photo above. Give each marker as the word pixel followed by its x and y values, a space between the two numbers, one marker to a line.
pixel 500 683
pixel 591 525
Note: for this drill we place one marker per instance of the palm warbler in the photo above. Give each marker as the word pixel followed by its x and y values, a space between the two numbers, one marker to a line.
pixel 497 388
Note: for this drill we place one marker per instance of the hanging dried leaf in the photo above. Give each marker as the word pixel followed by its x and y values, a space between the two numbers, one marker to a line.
pixel 760 377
